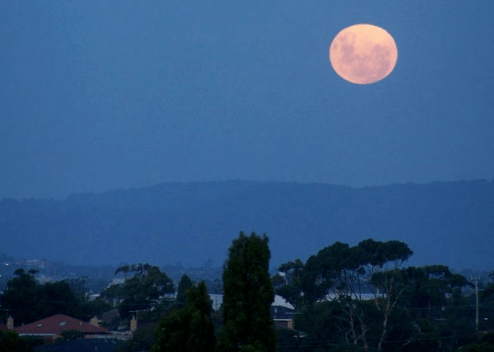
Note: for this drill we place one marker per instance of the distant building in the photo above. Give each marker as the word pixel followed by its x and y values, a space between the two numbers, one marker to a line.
pixel 283 317
pixel 217 301
pixel 356 296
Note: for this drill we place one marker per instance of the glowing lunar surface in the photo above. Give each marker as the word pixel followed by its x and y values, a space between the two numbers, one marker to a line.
pixel 363 53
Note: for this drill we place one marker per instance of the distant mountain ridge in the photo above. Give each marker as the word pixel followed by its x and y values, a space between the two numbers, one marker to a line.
pixel 443 222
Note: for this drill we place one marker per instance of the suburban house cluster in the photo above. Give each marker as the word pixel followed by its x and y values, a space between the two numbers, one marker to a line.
pixel 50 329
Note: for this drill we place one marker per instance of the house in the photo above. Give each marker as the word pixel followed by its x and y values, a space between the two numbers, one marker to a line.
pixel 51 328
pixel 283 317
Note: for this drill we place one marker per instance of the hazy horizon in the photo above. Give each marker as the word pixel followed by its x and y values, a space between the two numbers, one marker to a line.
pixel 137 187
pixel 442 222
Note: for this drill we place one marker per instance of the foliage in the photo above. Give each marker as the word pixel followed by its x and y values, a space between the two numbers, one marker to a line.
pixel 142 340
pixel 337 269
pixel 288 282
pixel 486 345
pixel 189 329
pixel 56 298
pixel 198 305
pixel 410 309
pixel 413 308
pixel 288 340
pixel 342 273
pixel 142 291
pixel 95 307
pixel 183 286
pixel 113 320
pixel 10 342
pixel 19 296
pixel 478 347
pixel 248 294
pixel 486 308
pixel 30 301
pixel 78 286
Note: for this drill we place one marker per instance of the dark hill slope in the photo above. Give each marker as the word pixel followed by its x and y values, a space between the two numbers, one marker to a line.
pixel 443 222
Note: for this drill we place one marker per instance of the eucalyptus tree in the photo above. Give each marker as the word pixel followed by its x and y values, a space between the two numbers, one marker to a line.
pixel 288 282
pixel 143 290
pixel 342 274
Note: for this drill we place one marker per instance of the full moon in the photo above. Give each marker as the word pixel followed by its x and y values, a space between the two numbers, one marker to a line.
pixel 363 53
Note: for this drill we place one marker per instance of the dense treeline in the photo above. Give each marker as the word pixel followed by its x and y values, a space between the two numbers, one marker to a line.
pixel 362 298
pixel 345 298
pixel 181 324
pixel 26 300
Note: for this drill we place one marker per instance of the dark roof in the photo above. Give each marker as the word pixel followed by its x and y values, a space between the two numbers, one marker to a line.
pixel 58 323
pixel 100 345
pixel 282 313
pixel 3 327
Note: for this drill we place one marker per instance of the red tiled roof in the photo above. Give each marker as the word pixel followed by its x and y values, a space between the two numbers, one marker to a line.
pixel 3 327
pixel 58 323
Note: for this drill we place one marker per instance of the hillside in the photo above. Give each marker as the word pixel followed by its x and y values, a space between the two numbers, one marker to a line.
pixel 443 222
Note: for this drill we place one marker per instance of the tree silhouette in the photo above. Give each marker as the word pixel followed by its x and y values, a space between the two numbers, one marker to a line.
pixel 190 328
pixel 248 295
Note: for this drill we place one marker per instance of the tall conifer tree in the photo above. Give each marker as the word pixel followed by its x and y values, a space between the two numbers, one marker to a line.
pixel 248 295
pixel 183 286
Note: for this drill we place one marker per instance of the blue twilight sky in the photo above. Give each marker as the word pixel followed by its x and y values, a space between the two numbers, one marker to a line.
pixel 98 95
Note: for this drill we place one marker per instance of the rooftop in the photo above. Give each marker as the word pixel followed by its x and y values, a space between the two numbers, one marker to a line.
pixel 58 323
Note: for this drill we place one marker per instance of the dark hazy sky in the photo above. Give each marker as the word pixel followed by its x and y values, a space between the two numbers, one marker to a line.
pixel 97 95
